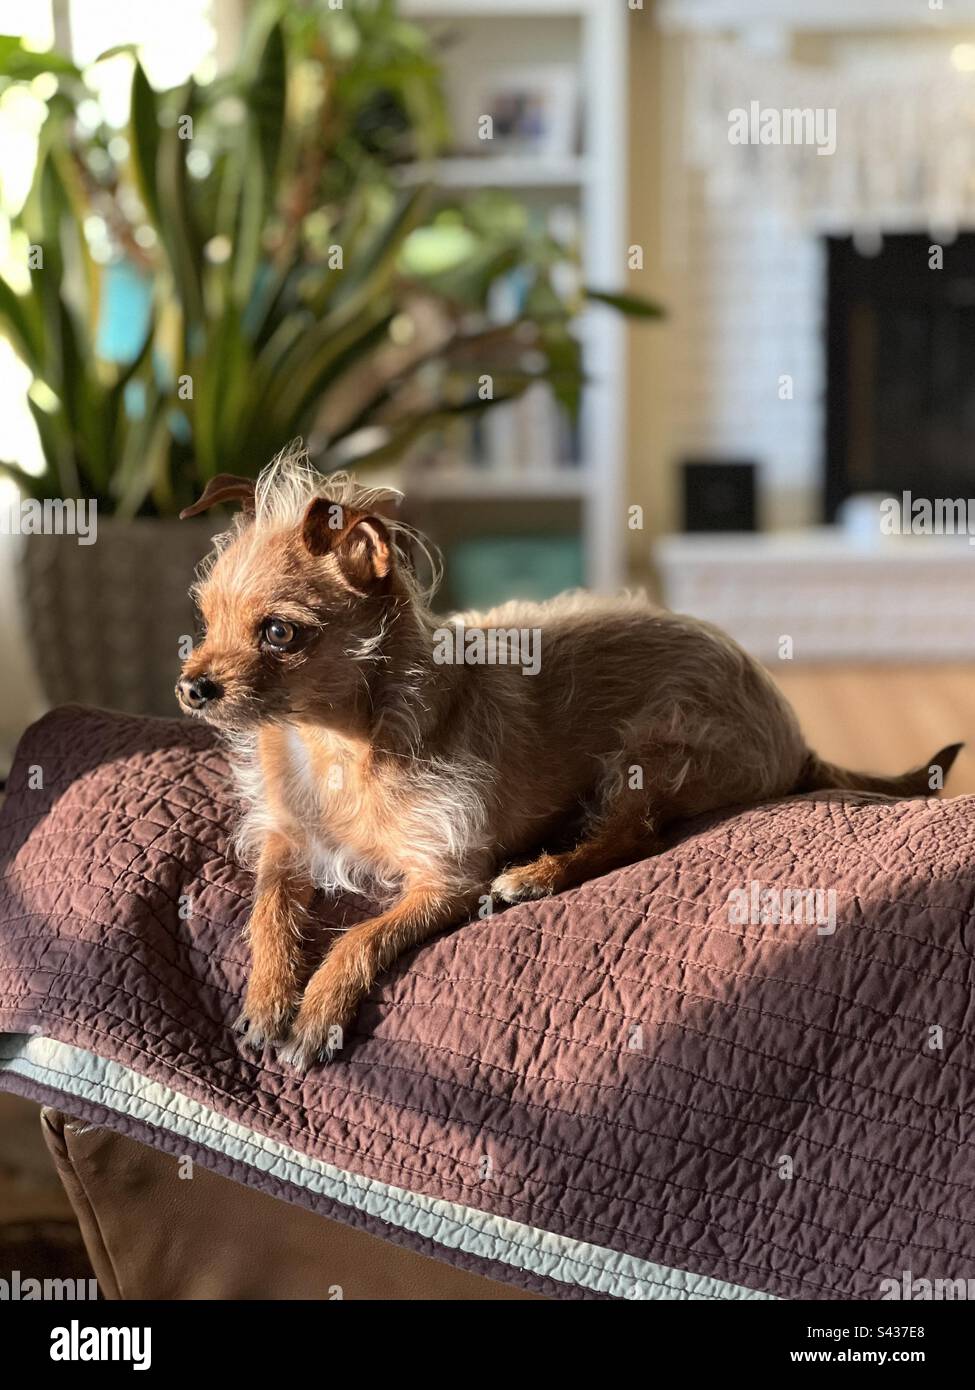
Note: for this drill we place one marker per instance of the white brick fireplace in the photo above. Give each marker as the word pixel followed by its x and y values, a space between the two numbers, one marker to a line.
pixel 744 227
pixel 746 250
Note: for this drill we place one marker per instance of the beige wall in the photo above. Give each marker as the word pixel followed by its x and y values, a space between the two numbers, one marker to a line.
pixel 649 478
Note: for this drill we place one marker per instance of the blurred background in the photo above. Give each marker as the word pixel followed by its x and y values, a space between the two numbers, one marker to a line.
pixel 667 293
pixel 672 294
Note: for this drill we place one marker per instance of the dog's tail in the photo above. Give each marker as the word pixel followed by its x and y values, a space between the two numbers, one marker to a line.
pixel 927 780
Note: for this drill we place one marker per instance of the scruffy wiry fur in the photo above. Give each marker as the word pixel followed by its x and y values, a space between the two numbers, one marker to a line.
pixel 366 765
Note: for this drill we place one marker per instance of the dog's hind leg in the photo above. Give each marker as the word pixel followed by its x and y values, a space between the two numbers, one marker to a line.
pixel 621 839
pixel 653 781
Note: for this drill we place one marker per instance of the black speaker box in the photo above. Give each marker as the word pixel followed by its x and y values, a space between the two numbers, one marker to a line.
pixel 719 496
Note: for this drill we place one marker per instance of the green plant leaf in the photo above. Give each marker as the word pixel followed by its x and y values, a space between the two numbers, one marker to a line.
pixel 23 64
pixel 320 358
pixel 632 305
pixel 57 446
pixel 130 50
pixel 267 100
pixel 405 432
pixel 564 358
pixel 37 485
pixel 144 134
pixel 135 365
pixel 265 309
pixel 251 217
pixel 379 262
pixel 176 226
pixel 21 319
pixel 75 207
pixel 333 102
pixel 222 383
pixel 144 457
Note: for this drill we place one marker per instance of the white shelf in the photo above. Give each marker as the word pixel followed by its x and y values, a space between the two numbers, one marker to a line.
pixel 467 9
pixel 499 171
pixel 591 37
pixel 483 484
pixel 825 15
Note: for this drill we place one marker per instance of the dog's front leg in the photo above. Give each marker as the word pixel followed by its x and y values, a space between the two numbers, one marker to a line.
pixel 350 969
pixel 284 892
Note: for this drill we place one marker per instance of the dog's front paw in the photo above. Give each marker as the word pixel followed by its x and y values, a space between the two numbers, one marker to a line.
pixel 265 1017
pixel 326 1012
pixel 522 884
pixel 311 1040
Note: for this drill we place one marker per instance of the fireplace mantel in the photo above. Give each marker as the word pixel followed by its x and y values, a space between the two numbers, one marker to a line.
pixel 816 15
pixel 837 597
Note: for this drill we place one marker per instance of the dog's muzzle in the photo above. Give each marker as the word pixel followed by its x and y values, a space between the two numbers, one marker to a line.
pixel 195 694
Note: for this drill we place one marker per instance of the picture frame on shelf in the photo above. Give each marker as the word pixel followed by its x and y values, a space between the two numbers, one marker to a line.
pixel 534 111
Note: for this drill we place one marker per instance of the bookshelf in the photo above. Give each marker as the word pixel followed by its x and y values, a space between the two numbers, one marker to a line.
pixel 581 494
pixel 472 484
pixel 500 171
pixel 451 9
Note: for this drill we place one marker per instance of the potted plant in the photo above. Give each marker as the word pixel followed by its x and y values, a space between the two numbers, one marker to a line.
pixel 281 281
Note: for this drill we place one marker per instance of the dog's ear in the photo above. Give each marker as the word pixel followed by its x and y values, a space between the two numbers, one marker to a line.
pixel 359 541
pixel 225 487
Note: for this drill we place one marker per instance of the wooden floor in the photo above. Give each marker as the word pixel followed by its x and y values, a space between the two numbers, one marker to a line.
pixel 886 718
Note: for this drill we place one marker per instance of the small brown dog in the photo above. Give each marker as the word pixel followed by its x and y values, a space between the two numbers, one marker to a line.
pixel 385 751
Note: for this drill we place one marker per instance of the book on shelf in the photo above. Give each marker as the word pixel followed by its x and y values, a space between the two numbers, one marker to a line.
pixel 529 436
pixel 532 434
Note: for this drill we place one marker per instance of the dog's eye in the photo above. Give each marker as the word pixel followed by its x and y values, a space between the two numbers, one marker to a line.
pixel 279 633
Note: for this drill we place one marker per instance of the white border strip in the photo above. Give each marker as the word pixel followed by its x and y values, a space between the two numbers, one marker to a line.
pixel 76 1072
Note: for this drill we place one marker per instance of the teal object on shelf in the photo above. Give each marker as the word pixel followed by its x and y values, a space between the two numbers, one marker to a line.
pixel 125 309
pixel 491 569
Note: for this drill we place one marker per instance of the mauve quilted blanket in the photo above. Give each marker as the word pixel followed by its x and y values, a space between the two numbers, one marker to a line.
pixel 740 1069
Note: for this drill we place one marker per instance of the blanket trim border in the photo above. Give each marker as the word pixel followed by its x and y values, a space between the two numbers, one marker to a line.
pixel 497 1245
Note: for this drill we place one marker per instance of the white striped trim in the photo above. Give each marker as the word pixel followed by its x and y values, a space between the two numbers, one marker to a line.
pixel 73 1071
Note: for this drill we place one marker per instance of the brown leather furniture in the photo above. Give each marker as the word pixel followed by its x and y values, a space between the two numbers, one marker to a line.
pixel 153 1234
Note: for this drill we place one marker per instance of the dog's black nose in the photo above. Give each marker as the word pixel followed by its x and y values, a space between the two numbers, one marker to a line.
pixel 198 692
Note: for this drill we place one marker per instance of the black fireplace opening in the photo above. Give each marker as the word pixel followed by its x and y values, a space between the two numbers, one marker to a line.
pixel 900 379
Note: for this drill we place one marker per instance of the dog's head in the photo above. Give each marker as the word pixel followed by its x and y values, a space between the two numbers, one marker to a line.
pixel 294 600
